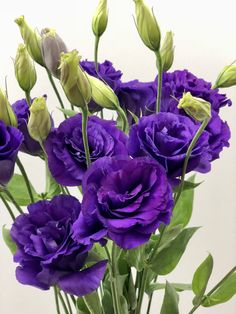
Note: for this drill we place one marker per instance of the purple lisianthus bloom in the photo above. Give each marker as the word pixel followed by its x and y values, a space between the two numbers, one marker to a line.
pixel 29 145
pixel 124 199
pixel 135 97
pixel 10 142
pixel 166 137
pixel 65 147
pixel 106 72
pixel 46 252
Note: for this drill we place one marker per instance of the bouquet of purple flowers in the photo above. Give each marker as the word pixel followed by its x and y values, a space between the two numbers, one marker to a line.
pixel 101 254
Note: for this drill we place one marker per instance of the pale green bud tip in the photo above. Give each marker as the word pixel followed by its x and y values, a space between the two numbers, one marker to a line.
pixel 70 58
pixel 167 51
pixel 49 32
pixel 100 18
pixel 38 104
pixel 195 107
pixel 227 77
pixel 7 114
pixel 20 20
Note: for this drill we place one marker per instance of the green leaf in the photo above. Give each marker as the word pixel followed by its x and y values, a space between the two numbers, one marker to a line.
pixel 178 287
pixel 93 303
pixel 171 301
pixel 107 302
pixel 8 240
pixel 224 293
pixel 136 257
pixel 68 112
pixel 201 278
pixel 136 118
pixel 18 188
pixel 168 258
pixel 81 307
pixel 52 187
pixel 183 209
pixel 169 236
pixel 189 185
pixel 131 293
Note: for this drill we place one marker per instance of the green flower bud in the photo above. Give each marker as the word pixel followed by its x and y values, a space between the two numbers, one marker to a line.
pixel 24 69
pixel 197 108
pixel 74 80
pixel 167 52
pixel 227 77
pixel 31 39
pixel 7 114
pixel 52 47
pixel 102 94
pixel 100 18
pixel 39 124
pixel 147 26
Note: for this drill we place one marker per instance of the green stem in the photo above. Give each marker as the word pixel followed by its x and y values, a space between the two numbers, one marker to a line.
pixel 190 148
pixel 68 303
pixel 159 82
pixel 125 123
pixel 55 90
pixel 141 291
pixel 27 182
pixel 213 289
pixel 73 299
pixel 97 38
pixel 7 207
pixel 12 199
pixel 84 134
pixel 56 300
pixel 28 98
pixel 63 302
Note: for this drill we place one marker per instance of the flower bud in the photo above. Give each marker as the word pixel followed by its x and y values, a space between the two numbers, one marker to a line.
pixel 147 26
pixel 99 23
pixel 227 77
pixel 197 108
pixel 39 124
pixel 7 114
pixel 74 80
pixel 167 52
pixel 52 47
pixel 31 39
pixel 24 69
pixel 102 94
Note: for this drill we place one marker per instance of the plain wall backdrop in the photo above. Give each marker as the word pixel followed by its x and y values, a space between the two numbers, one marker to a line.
pixel 205 41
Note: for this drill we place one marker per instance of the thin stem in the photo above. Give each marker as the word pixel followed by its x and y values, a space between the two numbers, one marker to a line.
pixel 84 134
pixel 56 300
pixel 28 98
pixel 12 199
pixel 213 289
pixel 27 182
pixel 97 38
pixel 63 302
pixel 55 90
pixel 115 274
pixel 7 207
pixel 68 303
pixel 125 123
pixel 73 299
pixel 190 148
pixel 141 291
pixel 159 82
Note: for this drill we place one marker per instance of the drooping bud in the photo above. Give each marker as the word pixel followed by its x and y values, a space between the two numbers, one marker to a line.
pixel 147 26
pixel 100 19
pixel 52 47
pixel 102 94
pixel 167 52
pixel 195 107
pixel 39 124
pixel 7 114
pixel 227 77
pixel 74 80
pixel 24 69
pixel 31 39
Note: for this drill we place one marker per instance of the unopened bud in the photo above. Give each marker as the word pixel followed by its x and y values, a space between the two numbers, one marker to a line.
pixel 74 80
pixel 7 114
pixel 52 47
pixel 167 52
pixel 227 77
pixel 147 26
pixel 195 107
pixel 100 19
pixel 31 39
pixel 102 94
pixel 24 69
pixel 39 124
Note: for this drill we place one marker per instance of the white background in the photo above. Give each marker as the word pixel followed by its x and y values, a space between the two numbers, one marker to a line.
pixel 205 40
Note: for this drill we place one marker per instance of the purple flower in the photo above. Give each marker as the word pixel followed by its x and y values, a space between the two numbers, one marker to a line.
pixel 47 254
pixel 65 148
pixel 29 145
pixel 107 72
pixel 10 142
pixel 124 199
pixel 166 137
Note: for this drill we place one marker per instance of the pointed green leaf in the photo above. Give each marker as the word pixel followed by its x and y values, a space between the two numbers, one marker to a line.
pixel 52 187
pixel 168 258
pixel 171 301
pixel 169 236
pixel 107 302
pixel 68 112
pixel 136 118
pixel 93 303
pixel 224 293
pixel 8 240
pixel 201 278
pixel 81 307
pixel 136 257
pixel 178 287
